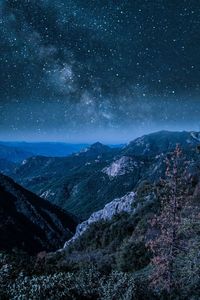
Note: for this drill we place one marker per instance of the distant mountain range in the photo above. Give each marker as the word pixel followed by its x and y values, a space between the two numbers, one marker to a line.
pixel 13 153
pixel 18 151
pixel 30 223
pixel 85 181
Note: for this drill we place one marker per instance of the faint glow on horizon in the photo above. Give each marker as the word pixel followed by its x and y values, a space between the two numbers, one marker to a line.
pixel 106 135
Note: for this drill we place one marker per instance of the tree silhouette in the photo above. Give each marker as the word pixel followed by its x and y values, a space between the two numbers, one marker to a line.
pixel 165 245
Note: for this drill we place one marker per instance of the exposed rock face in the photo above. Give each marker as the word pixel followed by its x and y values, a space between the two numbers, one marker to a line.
pixel 46 194
pixel 120 167
pixel 115 207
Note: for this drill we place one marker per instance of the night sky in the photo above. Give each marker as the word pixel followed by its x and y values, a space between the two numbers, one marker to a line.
pixel 87 70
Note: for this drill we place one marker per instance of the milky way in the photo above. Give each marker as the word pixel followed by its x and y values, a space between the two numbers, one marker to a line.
pixel 81 70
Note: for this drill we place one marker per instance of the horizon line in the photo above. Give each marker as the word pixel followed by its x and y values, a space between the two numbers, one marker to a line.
pixel 89 142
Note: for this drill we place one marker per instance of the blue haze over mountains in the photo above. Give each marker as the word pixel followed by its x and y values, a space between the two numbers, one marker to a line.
pixel 84 181
pixel 17 151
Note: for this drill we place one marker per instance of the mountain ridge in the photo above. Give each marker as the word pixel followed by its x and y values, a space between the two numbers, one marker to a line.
pixel 29 222
pixel 85 181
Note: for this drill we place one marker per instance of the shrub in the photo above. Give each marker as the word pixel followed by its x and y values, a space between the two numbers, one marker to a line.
pixel 117 286
pixel 132 256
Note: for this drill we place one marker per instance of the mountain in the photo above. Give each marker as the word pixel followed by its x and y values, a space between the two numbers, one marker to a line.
pixel 84 182
pixel 94 150
pixel 7 167
pixel 52 149
pixel 56 179
pixel 141 244
pixel 13 154
pixel 161 142
pixel 113 208
pixel 30 223
pixel 131 236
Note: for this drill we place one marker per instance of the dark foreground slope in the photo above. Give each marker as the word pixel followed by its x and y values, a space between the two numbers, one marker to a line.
pixel 30 223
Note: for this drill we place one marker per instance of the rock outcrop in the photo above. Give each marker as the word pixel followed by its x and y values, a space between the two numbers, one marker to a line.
pixel 115 207
pixel 120 167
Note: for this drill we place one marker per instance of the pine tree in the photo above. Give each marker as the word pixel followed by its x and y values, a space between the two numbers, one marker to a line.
pixel 171 192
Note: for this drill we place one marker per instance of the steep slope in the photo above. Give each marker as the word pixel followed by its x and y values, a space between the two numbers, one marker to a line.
pixel 84 182
pixel 58 179
pixel 30 223
pixel 109 227
pixel 57 166
pixel 161 142
pixel 115 207
pixel 132 241
pixel 124 250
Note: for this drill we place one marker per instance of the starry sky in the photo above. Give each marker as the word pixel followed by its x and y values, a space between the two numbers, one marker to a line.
pixel 108 70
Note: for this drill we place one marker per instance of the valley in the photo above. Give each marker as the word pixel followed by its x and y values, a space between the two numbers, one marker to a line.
pixel 104 217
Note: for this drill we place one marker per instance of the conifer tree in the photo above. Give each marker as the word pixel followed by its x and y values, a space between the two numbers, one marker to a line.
pixel 171 192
